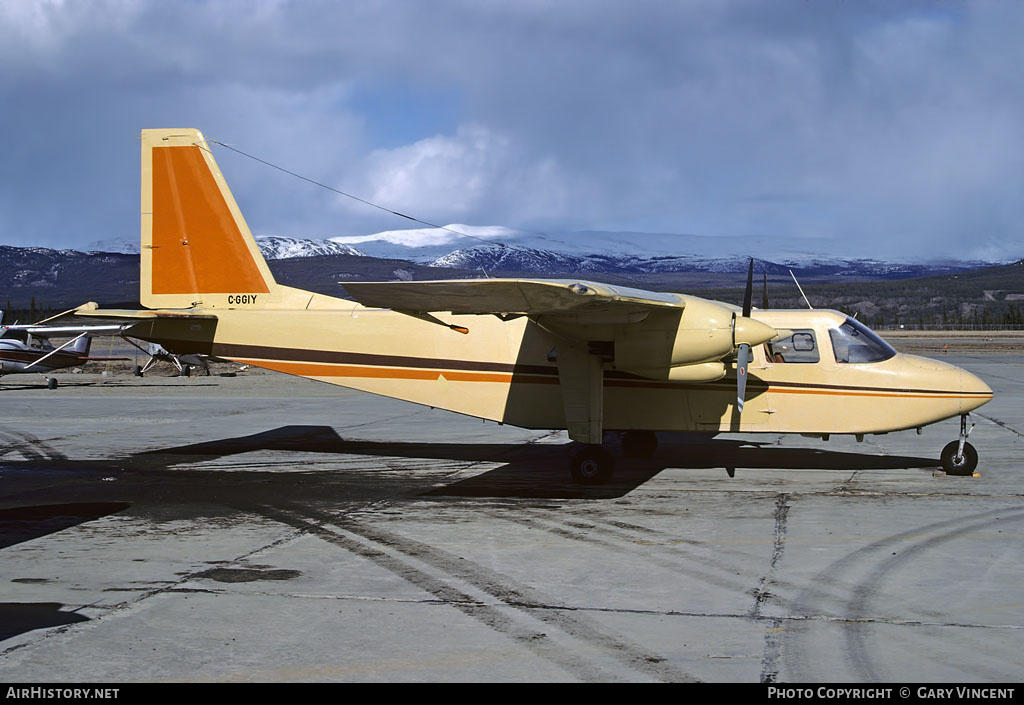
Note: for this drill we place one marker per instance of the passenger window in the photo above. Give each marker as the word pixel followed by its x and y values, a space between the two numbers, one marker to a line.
pixel 799 347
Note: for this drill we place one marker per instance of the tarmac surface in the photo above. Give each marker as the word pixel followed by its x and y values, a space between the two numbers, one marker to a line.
pixel 268 528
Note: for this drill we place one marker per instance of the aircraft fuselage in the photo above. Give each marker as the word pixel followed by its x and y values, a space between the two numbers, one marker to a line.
pixel 507 371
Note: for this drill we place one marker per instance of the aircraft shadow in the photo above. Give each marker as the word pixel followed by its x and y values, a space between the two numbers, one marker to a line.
pixel 24 386
pixel 529 470
pixel 19 524
pixel 186 480
pixel 20 617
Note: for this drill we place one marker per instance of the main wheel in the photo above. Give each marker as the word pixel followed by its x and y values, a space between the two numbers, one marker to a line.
pixel 593 465
pixel 964 465
pixel 51 383
pixel 639 444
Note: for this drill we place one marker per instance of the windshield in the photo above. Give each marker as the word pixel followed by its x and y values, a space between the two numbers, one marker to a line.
pixel 854 342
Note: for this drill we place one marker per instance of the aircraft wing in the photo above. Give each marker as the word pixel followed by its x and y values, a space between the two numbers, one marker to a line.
pixel 44 331
pixel 531 297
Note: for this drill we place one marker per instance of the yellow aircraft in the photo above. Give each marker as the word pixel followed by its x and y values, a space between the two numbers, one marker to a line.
pixel 547 354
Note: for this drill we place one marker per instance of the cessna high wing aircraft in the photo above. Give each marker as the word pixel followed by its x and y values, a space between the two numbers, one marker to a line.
pixel 552 354
pixel 26 348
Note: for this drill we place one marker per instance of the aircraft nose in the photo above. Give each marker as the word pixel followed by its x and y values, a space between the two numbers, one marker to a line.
pixel 974 391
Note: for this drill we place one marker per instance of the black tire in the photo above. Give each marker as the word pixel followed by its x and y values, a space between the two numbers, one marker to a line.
pixel 963 466
pixel 593 465
pixel 639 444
pixel 51 383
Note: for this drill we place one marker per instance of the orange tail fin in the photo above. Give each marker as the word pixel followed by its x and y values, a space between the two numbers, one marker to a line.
pixel 196 248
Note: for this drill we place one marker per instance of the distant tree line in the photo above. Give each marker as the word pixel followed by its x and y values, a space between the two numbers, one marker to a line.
pixel 34 312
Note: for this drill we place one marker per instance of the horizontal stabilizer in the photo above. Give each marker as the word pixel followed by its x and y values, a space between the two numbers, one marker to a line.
pixel 90 310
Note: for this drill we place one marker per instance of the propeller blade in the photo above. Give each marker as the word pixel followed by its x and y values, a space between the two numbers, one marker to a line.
pixel 742 360
pixel 764 291
pixel 750 290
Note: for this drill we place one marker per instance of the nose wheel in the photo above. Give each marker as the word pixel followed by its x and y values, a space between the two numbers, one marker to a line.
pixel 959 457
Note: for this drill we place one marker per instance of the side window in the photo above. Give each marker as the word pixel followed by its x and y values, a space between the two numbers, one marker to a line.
pixel 799 347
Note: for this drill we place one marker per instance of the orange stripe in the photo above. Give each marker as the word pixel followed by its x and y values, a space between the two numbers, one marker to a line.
pixel 333 370
pixel 315 370
pixel 901 395
pixel 329 370
pixel 197 245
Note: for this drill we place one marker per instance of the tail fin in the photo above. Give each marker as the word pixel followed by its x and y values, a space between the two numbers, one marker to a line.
pixel 81 346
pixel 196 248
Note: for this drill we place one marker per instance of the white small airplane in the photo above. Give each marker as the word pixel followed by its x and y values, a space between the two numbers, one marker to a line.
pixel 553 354
pixel 26 348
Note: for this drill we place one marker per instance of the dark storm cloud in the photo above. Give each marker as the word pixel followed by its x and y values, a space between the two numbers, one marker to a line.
pixel 887 125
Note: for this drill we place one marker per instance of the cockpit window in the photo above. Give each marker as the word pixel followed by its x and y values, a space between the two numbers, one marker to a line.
pixel 854 342
pixel 799 347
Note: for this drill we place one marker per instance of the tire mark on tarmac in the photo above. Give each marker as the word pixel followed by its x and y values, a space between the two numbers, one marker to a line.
pixel 838 590
pixel 611 539
pixel 777 628
pixel 866 590
pixel 30 446
pixel 396 553
pixel 769 670
pixel 680 558
pixel 798 655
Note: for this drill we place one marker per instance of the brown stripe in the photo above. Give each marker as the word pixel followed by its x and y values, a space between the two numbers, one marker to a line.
pixel 351 358
pixel 20 356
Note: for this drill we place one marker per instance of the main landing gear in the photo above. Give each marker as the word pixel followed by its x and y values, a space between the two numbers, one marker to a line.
pixel 594 464
pixel 959 457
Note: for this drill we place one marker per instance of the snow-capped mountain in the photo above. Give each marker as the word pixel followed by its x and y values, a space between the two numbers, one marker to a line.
pixel 508 250
pixel 504 258
pixel 277 247
pixel 501 249
pixel 120 245
pixel 272 247
pixel 429 244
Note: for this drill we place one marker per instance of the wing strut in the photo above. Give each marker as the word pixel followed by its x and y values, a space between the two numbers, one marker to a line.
pixel 55 351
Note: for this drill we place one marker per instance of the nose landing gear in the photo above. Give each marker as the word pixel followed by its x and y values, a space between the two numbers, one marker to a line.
pixel 959 457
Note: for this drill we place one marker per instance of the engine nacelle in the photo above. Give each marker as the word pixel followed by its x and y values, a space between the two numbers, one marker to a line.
pixel 699 372
pixel 704 333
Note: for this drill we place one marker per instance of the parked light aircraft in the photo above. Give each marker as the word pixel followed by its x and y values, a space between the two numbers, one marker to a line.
pixel 26 348
pixel 554 354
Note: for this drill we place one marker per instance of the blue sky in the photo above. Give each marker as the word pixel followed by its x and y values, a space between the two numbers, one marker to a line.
pixel 889 127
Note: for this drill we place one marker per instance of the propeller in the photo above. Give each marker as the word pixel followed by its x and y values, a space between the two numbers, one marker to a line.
pixel 744 354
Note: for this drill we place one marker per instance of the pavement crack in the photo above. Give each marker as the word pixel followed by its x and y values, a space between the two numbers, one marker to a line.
pixel 770 656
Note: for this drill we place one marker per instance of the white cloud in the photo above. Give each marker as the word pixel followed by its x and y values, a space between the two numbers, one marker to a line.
pixel 874 122
pixel 475 174
pixel 423 237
